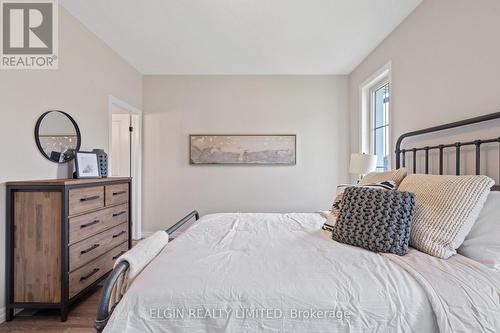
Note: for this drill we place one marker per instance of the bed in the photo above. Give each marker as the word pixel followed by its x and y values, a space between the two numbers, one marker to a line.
pixel 283 273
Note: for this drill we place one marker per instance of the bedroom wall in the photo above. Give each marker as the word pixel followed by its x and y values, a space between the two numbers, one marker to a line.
pixel 313 107
pixel 445 66
pixel 89 71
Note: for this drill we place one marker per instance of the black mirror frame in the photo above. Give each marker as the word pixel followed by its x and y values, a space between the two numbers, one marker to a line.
pixel 37 135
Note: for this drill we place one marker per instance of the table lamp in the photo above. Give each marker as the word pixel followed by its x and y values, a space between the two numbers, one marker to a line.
pixel 361 164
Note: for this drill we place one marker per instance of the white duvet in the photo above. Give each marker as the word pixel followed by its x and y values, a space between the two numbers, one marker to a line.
pixel 282 273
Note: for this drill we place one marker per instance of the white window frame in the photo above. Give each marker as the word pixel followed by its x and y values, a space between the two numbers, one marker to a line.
pixel 367 88
pixel 373 89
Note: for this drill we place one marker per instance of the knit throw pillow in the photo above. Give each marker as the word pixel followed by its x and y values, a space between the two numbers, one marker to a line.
pixel 375 220
pixel 337 203
pixel 447 208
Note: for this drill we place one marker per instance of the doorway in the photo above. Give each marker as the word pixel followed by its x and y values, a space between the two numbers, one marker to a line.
pixel 125 153
pixel 121 144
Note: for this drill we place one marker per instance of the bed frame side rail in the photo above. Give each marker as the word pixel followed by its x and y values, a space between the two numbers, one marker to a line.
pixel 103 312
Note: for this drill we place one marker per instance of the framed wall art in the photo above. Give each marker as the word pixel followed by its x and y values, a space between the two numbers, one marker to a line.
pixel 243 149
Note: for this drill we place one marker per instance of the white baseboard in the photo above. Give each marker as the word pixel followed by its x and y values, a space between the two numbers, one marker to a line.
pixel 2 315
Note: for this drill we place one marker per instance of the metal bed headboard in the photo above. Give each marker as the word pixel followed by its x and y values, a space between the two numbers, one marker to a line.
pixel 401 153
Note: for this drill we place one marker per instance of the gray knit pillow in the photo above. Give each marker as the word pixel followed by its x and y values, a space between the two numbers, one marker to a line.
pixel 375 219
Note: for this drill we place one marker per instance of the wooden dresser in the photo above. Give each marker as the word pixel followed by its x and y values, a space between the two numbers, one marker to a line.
pixel 62 239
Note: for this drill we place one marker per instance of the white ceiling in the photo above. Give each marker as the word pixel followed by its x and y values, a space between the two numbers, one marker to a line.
pixel 242 36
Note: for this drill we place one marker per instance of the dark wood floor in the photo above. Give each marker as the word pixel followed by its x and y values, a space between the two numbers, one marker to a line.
pixel 80 319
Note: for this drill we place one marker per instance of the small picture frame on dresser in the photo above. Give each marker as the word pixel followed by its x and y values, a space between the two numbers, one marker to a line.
pixel 87 165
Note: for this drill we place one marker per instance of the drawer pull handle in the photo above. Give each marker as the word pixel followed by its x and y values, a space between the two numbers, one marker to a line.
pixel 90 198
pixel 93 247
pixel 118 193
pixel 118 255
pixel 119 234
pixel 89 224
pixel 120 213
pixel 83 278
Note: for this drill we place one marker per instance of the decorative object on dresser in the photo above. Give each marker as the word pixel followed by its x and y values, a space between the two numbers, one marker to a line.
pixel 57 136
pixel 243 149
pixel 102 158
pixel 87 165
pixel 361 164
pixel 62 239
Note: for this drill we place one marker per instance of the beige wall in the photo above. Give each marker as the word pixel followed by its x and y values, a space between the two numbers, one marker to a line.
pixel 313 107
pixel 88 73
pixel 445 66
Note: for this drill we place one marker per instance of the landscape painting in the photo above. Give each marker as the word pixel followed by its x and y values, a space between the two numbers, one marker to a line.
pixel 243 149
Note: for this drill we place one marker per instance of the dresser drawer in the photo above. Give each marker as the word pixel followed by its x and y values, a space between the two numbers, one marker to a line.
pixel 116 194
pixel 82 200
pixel 88 249
pixel 87 225
pixel 92 271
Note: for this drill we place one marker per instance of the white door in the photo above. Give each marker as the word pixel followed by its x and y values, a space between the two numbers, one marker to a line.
pixel 120 150
pixel 125 153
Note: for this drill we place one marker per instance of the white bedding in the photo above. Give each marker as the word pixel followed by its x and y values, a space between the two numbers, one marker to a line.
pixel 261 272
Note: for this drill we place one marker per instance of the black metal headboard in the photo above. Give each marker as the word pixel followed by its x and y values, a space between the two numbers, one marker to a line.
pixel 401 153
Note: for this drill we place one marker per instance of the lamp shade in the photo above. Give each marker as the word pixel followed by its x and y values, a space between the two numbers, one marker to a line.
pixel 361 164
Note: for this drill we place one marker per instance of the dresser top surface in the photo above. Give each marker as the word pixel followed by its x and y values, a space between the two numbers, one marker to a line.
pixel 67 182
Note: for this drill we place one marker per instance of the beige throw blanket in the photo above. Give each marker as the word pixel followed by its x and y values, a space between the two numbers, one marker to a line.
pixel 138 258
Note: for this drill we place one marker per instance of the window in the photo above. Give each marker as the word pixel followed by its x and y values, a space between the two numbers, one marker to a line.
pixel 379 132
pixel 374 125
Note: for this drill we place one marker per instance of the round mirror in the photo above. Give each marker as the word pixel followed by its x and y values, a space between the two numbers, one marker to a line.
pixel 57 136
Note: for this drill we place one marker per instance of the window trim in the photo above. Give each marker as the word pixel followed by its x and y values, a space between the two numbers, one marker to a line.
pixel 376 80
pixel 384 81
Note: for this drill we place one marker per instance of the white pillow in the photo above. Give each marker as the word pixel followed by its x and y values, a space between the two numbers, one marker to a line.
pixel 395 176
pixel 483 242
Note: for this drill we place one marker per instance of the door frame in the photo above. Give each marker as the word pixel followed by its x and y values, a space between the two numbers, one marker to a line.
pixel 136 162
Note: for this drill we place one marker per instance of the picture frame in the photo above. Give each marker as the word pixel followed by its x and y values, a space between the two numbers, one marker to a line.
pixel 243 149
pixel 87 165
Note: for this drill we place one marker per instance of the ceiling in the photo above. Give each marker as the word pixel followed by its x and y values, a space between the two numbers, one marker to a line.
pixel 242 36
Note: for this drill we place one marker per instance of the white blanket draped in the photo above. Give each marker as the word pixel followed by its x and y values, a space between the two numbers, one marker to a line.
pixel 282 273
pixel 464 294
pixel 137 258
